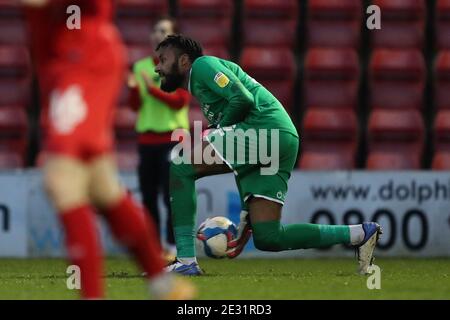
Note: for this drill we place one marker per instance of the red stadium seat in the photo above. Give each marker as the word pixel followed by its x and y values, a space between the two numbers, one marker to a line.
pixel 274 69
pixel 441 161
pixel 396 140
pixel 442 80
pixel 126 155
pixel 13 120
pixel 270 23
pixel 125 121
pixel 441 134
pixel 13 129
pixel 135 32
pixel 14 62
pixel 210 9
pixel 136 53
pixel 274 9
pixel 208 32
pixel 11 160
pixel 10 8
pixel 334 23
pixel 331 78
pixel 14 93
pixel 282 90
pixel 264 32
pixel 443 24
pixel 136 9
pixel 329 139
pixel 13 31
pixel 403 24
pixel 397 79
pixel 268 63
pixel 216 51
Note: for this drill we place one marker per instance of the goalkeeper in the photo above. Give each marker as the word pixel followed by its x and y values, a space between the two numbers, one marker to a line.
pixel 237 106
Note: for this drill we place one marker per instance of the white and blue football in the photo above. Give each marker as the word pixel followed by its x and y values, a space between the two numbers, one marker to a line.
pixel 214 234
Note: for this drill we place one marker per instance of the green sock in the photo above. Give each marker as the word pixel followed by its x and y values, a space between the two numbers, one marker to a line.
pixel 183 202
pixel 272 236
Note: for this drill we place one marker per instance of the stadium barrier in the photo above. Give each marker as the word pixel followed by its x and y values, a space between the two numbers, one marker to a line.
pixel 413 207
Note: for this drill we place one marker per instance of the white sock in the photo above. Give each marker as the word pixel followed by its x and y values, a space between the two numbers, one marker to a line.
pixel 356 234
pixel 172 249
pixel 160 284
pixel 188 260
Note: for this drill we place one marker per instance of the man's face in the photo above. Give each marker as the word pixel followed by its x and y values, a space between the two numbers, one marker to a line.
pixel 160 31
pixel 168 69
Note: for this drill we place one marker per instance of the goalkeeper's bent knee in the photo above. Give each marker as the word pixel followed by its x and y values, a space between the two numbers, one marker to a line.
pixel 267 236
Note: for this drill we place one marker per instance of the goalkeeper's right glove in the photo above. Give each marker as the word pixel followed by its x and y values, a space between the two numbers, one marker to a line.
pixel 235 246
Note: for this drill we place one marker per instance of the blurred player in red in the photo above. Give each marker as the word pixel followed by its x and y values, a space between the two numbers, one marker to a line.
pixel 80 72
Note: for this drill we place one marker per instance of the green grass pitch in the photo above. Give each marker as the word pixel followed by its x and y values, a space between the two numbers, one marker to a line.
pixel 243 279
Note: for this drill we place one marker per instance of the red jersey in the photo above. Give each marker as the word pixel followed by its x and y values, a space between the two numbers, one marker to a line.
pixel 80 74
pixel 53 42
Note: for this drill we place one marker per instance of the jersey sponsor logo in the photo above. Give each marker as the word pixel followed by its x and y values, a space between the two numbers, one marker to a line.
pixel 221 80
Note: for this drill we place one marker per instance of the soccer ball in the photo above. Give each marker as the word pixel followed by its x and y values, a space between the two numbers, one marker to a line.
pixel 214 234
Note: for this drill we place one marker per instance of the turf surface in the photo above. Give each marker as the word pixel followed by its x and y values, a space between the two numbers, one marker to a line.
pixel 243 279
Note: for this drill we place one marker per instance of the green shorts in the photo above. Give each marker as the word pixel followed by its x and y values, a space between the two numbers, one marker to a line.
pixel 261 159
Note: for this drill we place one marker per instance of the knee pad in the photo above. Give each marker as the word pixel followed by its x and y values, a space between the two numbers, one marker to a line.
pixel 267 235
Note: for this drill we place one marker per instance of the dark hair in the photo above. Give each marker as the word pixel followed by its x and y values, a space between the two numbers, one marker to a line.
pixel 184 45
pixel 172 21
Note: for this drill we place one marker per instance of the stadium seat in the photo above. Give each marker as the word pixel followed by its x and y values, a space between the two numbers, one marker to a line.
pixel 14 62
pixel 13 129
pixel 274 9
pixel 208 32
pixel 12 120
pixel 11 160
pixel 268 33
pixel 126 155
pixel 283 90
pixel 125 121
pixel 403 24
pixel 329 139
pixel 397 78
pixel 334 23
pixel 216 51
pixel 268 63
pixel 331 78
pixel 442 129
pixel 135 32
pixel 396 140
pixel 137 52
pixel 270 23
pixel 273 68
pixel 14 93
pixel 10 9
pixel 13 31
pixel 441 161
pixel 207 21
pixel 141 9
pixel 442 24
pixel 441 138
pixel 210 9
pixel 442 80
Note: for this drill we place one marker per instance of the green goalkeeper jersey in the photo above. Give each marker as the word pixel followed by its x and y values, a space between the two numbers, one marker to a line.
pixel 229 96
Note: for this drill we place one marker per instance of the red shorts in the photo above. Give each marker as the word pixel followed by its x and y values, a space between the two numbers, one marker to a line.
pixel 80 100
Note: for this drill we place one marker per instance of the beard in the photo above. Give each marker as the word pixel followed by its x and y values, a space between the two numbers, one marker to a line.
pixel 173 80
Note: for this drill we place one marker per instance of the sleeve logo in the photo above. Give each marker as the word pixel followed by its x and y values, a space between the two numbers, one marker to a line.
pixel 221 80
